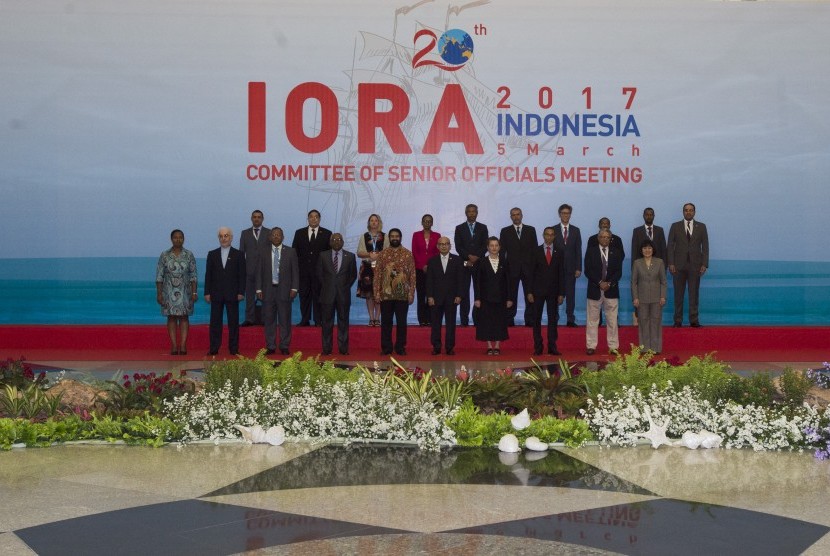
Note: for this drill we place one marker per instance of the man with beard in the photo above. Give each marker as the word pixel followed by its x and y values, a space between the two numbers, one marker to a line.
pixel 394 289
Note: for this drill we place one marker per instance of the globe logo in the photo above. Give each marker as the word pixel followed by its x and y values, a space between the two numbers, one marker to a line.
pixel 455 47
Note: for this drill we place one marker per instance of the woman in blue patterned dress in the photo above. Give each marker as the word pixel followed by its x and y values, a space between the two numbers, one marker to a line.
pixel 176 290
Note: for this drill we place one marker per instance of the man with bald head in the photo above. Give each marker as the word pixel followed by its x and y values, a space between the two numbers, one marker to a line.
pixel 224 289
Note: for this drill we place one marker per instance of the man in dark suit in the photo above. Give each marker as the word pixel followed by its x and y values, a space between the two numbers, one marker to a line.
pixel 251 242
pixel 277 283
pixel 224 289
pixel 337 273
pixel 616 241
pixel 603 269
pixel 519 242
pixel 648 231
pixel 444 286
pixel 547 287
pixel 569 242
pixel 470 244
pixel 688 259
pixel 309 242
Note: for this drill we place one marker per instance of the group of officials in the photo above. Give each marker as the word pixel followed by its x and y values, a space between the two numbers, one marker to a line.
pixel 318 270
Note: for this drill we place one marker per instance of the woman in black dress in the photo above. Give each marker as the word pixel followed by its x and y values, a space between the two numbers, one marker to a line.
pixel 491 286
pixel 371 243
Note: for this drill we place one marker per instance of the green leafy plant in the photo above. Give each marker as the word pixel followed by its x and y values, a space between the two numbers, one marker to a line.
pixel 795 385
pixel 544 392
pixel 30 402
pixel 291 372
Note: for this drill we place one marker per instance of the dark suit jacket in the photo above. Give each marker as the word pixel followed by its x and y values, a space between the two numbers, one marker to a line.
pixel 466 244
pixel 224 284
pixel 492 286
pixel 687 254
pixel 637 237
pixel 250 247
pixel 593 272
pixel 519 251
pixel 307 252
pixel 616 243
pixel 441 285
pixel 572 252
pixel 289 273
pixel 547 279
pixel 336 286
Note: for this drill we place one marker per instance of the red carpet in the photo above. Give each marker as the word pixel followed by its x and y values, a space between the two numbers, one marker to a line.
pixel 149 343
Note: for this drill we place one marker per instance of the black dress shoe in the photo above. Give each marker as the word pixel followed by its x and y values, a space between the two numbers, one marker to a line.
pixel 344 353
pixel 270 351
pixel 590 351
pixel 401 351
pixel 554 351
pixel 234 353
pixel 571 324
pixel 385 352
pixel 213 352
pixel 247 323
pixel 436 351
pixel 537 351
pixel 695 325
pixel 326 352
pixel 284 351
pixel 511 322
pixel 182 352
pixel 450 352
pixel 302 323
pixel 678 324
pixel 464 324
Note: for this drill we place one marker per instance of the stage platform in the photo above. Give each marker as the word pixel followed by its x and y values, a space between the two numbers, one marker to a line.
pixel 147 346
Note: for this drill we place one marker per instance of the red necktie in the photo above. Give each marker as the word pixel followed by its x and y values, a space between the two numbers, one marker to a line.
pixel 547 253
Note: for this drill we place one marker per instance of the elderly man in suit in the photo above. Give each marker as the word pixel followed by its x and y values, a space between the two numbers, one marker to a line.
pixel 224 289
pixel 518 243
pixel 547 288
pixel 687 254
pixel 603 269
pixel 337 273
pixel 470 244
pixel 278 281
pixel 569 242
pixel 444 286
pixel 251 242
pixel 308 243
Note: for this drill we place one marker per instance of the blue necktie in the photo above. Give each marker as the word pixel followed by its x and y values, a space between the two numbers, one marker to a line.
pixel 276 270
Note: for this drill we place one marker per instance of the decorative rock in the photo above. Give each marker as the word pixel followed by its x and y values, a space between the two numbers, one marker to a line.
pixel 536 445
pixel 521 421
pixel 509 443
pixel 690 440
pixel 710 439
pixel 257 435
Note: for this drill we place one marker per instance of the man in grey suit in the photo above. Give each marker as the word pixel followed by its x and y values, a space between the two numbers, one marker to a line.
pixel 251 242
pixel 688 259
pixel 336 272
pixel 278 281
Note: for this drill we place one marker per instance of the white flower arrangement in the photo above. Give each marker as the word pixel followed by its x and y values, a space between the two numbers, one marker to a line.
pixel 619 420
pixel 345 410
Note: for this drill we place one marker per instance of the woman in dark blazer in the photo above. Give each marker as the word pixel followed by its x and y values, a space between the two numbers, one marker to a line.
pixel 491 288
pixel 648 290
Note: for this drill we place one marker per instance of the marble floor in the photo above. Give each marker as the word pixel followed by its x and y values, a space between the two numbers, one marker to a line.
pixel 378 499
